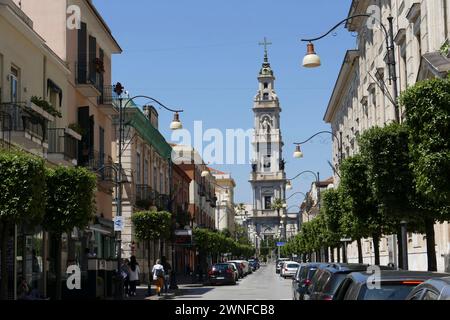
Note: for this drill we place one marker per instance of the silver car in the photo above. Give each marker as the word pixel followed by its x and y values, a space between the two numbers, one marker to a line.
pixel 289 269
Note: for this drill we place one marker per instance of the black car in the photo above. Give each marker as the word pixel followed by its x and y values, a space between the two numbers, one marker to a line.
pixel 328 278
pixel 432 289
pixel 221 273
pixel 302 279
pixel 386 285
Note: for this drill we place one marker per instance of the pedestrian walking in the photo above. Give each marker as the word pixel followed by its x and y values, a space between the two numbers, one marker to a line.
pixel 167 269
pixel 125 272
pixel 158 276
pixel 134 275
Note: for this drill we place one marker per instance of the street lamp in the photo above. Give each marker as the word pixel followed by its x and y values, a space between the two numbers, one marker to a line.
pixel 312 60
pixel 299 154
pixel 176 124
pixel 317 176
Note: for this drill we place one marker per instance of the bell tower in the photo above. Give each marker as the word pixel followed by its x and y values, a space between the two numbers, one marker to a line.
pixel 268 178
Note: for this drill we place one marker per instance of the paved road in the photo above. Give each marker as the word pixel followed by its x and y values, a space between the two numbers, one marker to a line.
pixel 263 284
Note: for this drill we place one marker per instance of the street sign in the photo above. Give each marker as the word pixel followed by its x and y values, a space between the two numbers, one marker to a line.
pixel 346 240
pixel 118 223
pixel 281 244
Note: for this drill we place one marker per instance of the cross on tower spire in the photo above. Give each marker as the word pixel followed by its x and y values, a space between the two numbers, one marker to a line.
pixel 265 43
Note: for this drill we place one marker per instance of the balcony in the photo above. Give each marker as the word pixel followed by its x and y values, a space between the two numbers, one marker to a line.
pixel 106 101
pixel 87 84
pixel 103 166
pixel 145 196
pixel 25 125
pixel 63 146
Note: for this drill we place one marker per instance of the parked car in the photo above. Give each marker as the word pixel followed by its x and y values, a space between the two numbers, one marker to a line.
pixel 239 267
pixel 302 279
pixel 254 264
pixel 289 268
pixel 279 263
pixel 328 278
pixel 245 266
pixel 222 273
pixel 391 285
pixel 432 289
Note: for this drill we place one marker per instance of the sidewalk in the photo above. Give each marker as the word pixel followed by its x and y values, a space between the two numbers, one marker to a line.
pixel 183 282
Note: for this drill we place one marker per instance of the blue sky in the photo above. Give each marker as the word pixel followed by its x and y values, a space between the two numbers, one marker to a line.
pixel 203 56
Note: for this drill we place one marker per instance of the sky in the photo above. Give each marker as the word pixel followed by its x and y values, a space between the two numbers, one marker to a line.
pixel 204 56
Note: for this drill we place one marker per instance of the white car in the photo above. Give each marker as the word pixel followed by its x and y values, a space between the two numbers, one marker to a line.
pixel 289 268
pixel 245 266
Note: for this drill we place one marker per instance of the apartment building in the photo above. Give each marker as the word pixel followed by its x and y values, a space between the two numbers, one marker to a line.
pixel 85 50
pixel 225 210
pixel 362 95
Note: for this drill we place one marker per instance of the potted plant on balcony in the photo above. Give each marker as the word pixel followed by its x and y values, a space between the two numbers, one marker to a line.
pixel 46 106
pixel 77 128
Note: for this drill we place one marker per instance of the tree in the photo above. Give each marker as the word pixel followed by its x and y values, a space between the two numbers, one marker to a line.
pixel 149 226
pixel 332 210
pixel 360 200
pixel 277 205
pixel 427 109
pixel 70 204
pixel 22 199
pixel 386 153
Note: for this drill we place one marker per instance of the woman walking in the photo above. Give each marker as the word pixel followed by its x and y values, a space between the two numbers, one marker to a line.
pixel 134 275
pixel 158 276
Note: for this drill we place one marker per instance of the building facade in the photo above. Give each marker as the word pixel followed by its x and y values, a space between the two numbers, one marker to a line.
pixel 361 100
pixel 225 210
pixel 268 179
pixel 70 69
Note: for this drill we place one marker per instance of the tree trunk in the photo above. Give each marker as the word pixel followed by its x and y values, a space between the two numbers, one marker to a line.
pixel 376 248
pixel 4 232
pixel 400 248
pixel 58 262
pixel 360 251
pixel 332 254
pixel 431 244
pixel 327 256
pixel 338 254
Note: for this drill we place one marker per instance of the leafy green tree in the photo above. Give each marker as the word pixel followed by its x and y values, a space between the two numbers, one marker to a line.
pixel 333 211
pixel 22 199
pixel 150 226
pixel 427 109
pixel 277 204
pixel 70 204
pixel 360 199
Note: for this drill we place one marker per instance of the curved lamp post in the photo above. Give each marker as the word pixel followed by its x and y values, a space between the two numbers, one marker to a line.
pixel 175 125
pixel 312 59
pixel 298 154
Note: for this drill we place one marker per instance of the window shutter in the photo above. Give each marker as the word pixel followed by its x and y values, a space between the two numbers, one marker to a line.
pixel 82 53
pixel 92 56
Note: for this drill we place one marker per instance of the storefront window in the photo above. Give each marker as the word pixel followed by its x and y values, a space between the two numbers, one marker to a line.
pixel 30 263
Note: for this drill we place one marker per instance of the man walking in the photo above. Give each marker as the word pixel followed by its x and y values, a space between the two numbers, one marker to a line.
pixel 167 269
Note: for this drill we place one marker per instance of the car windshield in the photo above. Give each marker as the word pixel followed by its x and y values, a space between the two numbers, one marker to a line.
pixel 220 267
pixel 387 292
pixel 292 265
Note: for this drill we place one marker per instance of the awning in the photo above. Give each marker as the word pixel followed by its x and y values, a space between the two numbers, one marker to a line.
pixel 55 88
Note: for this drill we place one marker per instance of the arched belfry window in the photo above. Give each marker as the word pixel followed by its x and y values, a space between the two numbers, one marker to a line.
pixel 266 85
pixel 265 96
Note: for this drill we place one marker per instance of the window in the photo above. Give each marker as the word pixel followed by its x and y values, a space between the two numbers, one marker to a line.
pixel 161 183
pixel 102 145
pixel 265 96
pixel 146 172
pixel 155 178
pixel 138 168
pixel 266 85
pixel 267 202
pixel 14 84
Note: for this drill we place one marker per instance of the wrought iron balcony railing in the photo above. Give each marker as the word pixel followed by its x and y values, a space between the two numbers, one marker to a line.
pixel 63 143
